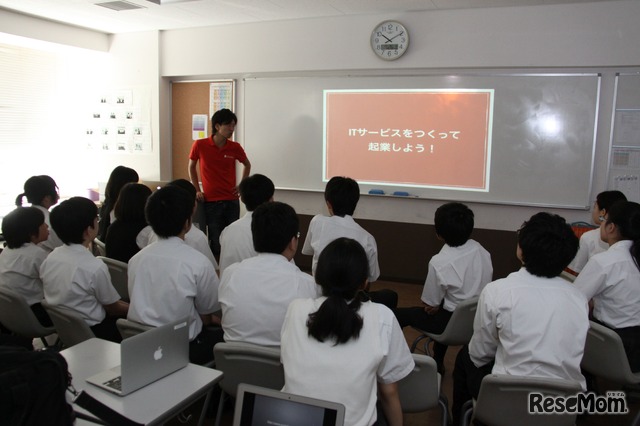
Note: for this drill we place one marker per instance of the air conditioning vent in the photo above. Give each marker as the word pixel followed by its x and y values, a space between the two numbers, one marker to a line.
pixel 119 5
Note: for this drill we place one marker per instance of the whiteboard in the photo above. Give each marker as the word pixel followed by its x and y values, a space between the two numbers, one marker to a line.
pixel 283 133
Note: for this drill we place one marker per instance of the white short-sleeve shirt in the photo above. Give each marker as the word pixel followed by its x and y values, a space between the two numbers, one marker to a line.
pixel 194 238
pixel 255 295
pixel 325 229
pixel 74 278
pixel 53 240
pixel 612 280
pixel 457 274
pixel 590 245
pixel 533 326
pixel 236 242
pixel 170 280
pixel 347 373
pixel 20 271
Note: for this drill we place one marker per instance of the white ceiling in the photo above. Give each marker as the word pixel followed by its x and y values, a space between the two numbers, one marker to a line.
pixel 176 14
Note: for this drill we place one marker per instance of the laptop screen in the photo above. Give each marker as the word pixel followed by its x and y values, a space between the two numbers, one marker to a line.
pixel 256 406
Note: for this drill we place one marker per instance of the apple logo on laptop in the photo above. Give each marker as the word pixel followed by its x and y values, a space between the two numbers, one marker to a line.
pixel 158 353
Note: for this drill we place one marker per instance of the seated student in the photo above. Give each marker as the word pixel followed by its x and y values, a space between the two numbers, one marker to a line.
pixel 169 280
pixel 118 178
pixel 341 196
pixel 532 323
pixel 120 243
pixel 20 261
pixel 590 241
pixel 42 192
pixel 255 293
pixel 236 241
pixel 343 348
pixel 612 279
pixel 194 237
pixel 74 278
pixel 459 272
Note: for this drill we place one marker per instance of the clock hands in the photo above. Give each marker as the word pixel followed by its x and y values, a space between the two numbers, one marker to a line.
pixel 388 39
pixel 397 35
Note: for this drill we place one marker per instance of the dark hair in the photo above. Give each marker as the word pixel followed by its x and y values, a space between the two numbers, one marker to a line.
pixel 72 217
pixel 255 190
pixel 131 202
pixel 454 223
pixel 20 225
pixel 343 193
pixel 223 116
pixel 273 225
pixel 607 198
pixel 168 209
pixel 626 216
pixel 119 177
pixel 547 243
pixel 342 270
pixel 187 186
pixel 36 188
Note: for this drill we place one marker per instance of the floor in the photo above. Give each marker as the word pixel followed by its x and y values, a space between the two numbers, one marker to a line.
pixel 409 295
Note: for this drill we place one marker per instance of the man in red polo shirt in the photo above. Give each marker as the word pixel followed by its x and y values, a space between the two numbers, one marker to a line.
pixel 217 155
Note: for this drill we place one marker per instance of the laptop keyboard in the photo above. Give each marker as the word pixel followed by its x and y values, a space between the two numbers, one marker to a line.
pixel 115 383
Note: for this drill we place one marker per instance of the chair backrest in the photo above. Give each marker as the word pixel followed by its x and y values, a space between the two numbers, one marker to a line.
pixel 100 248
pixel 420 390
pixel 128 328
pixel 17 316
pixel 248 363
pixel 460 327
pixel 604 356
pixel 71 327
pixel 504 400
pixel 119 276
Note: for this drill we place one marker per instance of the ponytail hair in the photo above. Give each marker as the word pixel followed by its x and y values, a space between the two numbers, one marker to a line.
pixel 36 188
pixel 626 216
pixel 342 271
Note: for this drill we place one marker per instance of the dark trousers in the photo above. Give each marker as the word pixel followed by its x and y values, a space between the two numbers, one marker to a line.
pixel 107 330
pixel 41 315
pixel 201 348
pixel 219 214
pixel 388 298
pixel 466 381
pixel 436 323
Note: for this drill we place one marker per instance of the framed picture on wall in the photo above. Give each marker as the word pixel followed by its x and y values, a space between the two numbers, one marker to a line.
pixel 221 95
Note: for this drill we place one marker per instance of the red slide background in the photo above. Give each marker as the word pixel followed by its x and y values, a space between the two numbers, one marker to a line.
pixel 425 138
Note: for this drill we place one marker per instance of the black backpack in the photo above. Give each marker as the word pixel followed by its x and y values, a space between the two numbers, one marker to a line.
pixel 33 388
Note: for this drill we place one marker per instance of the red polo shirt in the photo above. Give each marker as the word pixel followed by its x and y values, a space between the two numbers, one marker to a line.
pixel 217 167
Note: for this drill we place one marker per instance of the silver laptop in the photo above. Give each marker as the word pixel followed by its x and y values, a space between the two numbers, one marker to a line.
pixel 147 357
pixel 257 406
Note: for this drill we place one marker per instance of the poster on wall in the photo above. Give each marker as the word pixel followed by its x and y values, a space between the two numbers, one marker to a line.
pixel 119 122
pixel 221 95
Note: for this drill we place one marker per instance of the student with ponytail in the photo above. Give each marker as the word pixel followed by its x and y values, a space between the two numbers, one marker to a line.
pixel 342 347
pixel 42 192
pixel 612 279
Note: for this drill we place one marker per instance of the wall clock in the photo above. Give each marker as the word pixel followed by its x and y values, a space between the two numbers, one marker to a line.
pixel 389 40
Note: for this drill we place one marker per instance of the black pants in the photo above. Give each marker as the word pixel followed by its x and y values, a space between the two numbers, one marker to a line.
pixel 201 348
pixel 219 214
pixel 466 381
pixel 388 298
pixel 41 315
pixel 107 330
pixel 436 323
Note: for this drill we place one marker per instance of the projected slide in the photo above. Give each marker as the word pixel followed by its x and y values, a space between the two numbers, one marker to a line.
pixel 438 138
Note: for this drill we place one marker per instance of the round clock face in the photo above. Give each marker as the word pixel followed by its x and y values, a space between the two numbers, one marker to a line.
pixel 389 40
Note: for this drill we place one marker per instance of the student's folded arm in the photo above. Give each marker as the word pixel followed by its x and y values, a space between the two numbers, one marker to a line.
pixel 390 400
